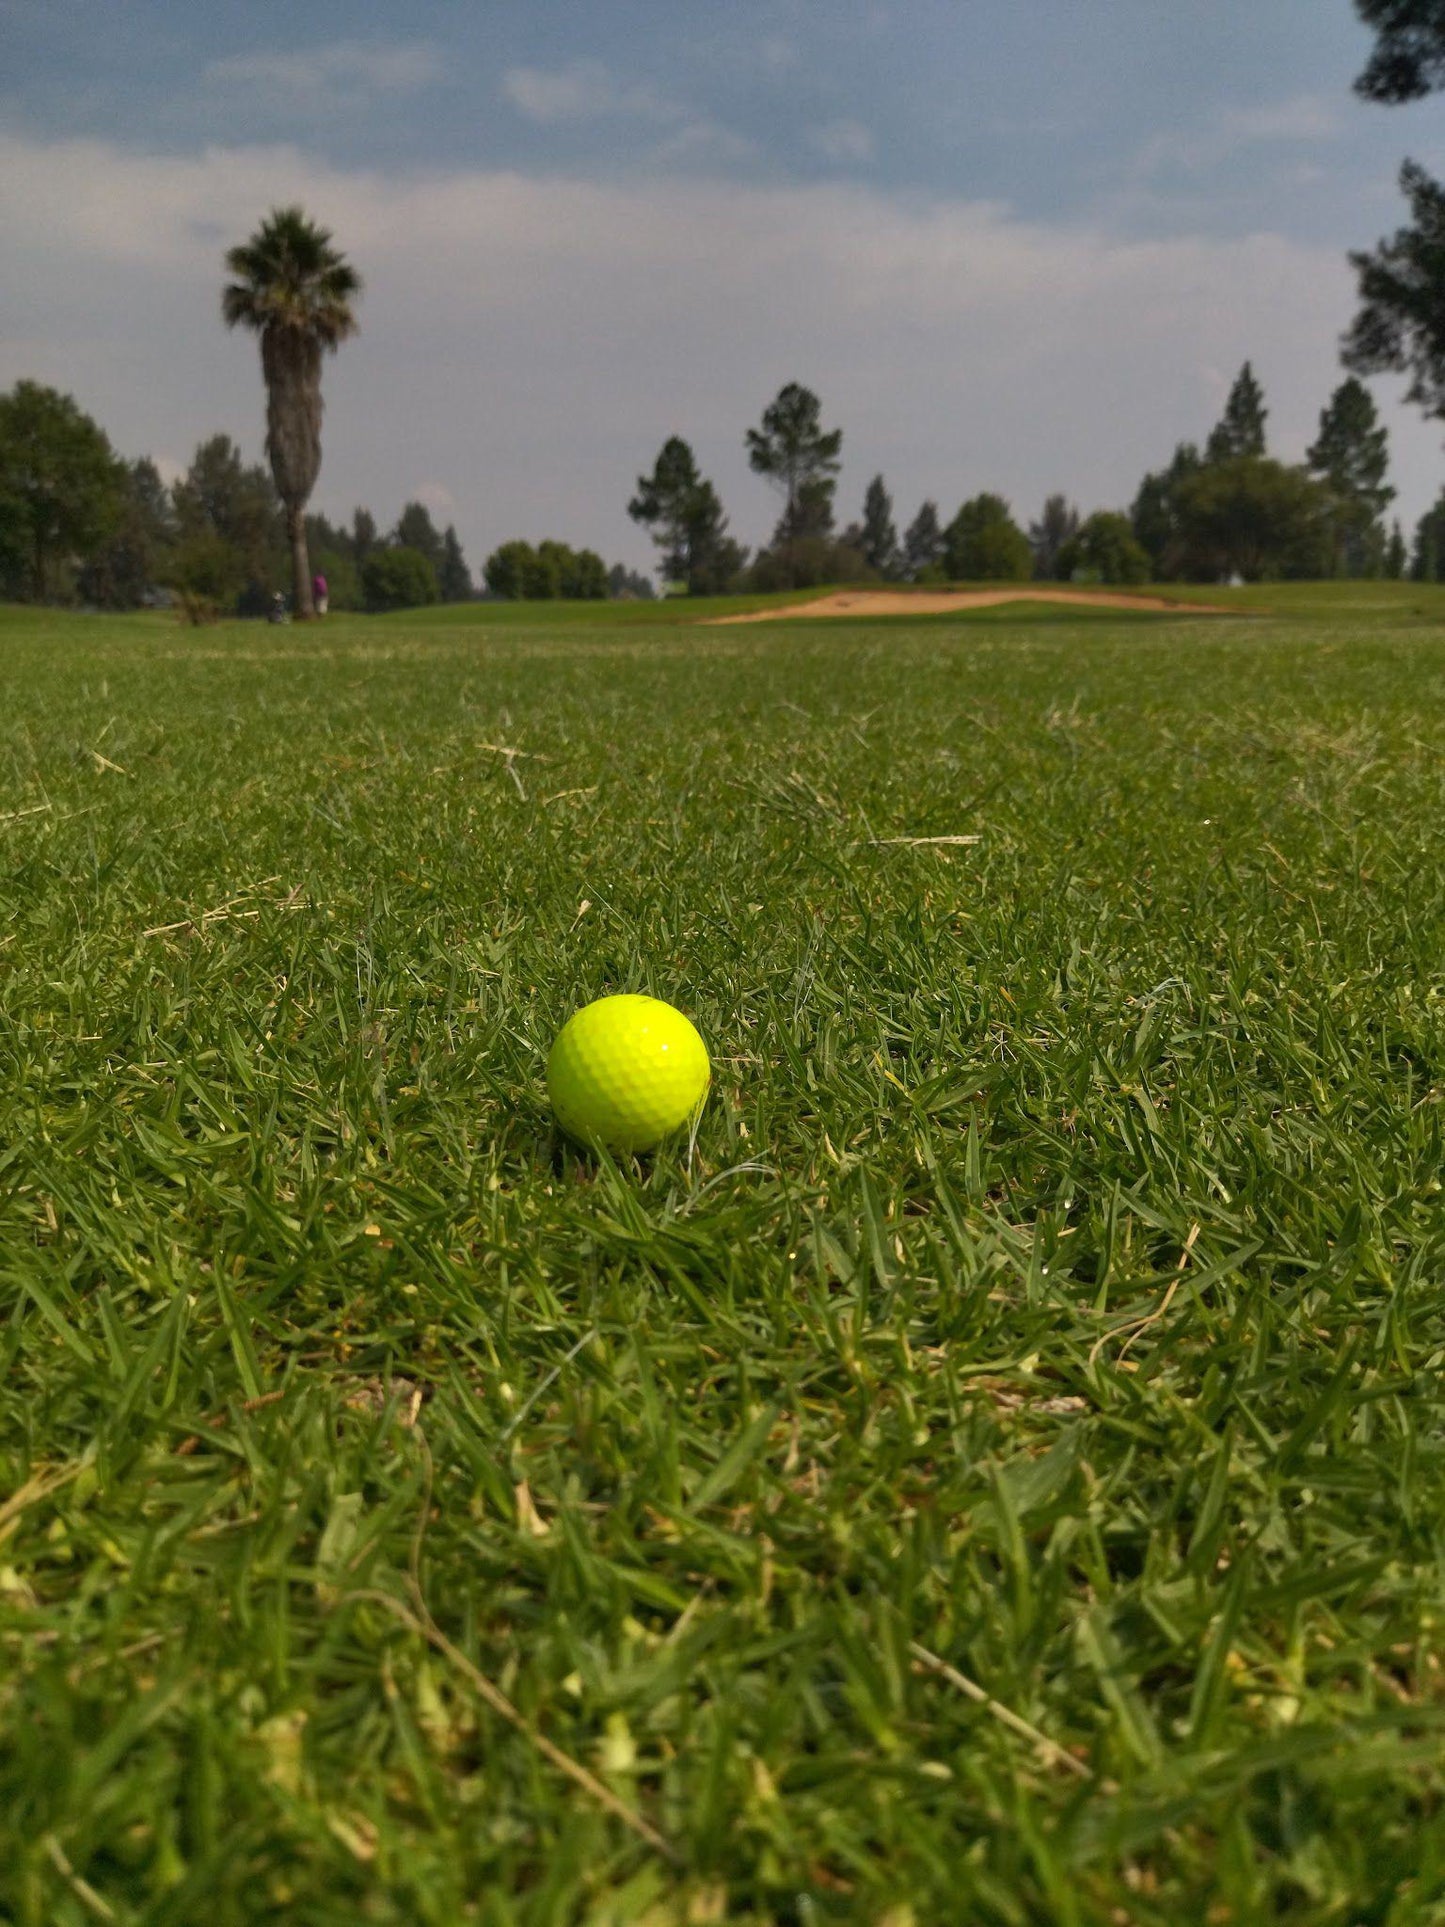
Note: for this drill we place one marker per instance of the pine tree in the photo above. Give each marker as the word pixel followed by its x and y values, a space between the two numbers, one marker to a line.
pixel 1350 456
pixel 454 577
pixel 800 458
pixel 686 518
pixel 923 542
pixel 363 535
pixel 879 540
pixel 1427 564
pixel 1240 429
pixel 714 559
pixel 663 504
pixel 1153 516
pixel 1058 524
pixel 416 530
pixel 1395 554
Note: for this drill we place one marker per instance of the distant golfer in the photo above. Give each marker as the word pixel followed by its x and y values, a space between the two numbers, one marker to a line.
pixel 318 591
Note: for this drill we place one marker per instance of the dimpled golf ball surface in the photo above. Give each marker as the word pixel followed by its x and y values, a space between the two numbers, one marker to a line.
pixel 625 1072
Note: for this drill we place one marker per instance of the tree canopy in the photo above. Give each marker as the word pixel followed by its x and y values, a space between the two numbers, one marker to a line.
pixel 1254 518
pixel 61 486
pixel 689 527
pixel 1400 328
pixel 1350 456
pixel 879 535
pixel 1103 549
pixel 398 578
pixel 801 459
pixel 1408 60
pixel 983 543
pixel 1154 515
pixel 1240 429
pixel 923 542
pixel 1056 526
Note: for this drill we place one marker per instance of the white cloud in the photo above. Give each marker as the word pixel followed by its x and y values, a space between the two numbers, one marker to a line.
pixel 1308 117
pixel 1304 119
pixel 529 342
pixel 346 70
pixel 705 142
pixel 588 91
pixel 843 141
pixel 584 91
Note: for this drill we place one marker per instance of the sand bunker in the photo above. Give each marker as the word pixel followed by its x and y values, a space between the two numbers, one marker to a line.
pixel 863 603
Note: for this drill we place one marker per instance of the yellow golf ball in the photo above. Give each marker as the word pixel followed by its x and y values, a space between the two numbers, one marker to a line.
pixel 625 1072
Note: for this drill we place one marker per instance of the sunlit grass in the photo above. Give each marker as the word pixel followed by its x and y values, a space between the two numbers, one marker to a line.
pixel 1052 1304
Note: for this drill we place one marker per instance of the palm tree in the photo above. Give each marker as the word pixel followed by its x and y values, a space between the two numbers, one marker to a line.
pixel 296 291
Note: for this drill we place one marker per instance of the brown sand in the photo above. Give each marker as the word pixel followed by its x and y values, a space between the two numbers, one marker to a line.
pixel 864 603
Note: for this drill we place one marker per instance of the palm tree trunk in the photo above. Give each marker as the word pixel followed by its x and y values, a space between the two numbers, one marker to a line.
pixel 301 603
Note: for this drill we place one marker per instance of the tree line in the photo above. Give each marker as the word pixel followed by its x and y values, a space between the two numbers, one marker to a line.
pixel 1228 510
pixel 79 523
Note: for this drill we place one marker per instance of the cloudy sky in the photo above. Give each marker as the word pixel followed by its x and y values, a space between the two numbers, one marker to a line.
pixel 1013 244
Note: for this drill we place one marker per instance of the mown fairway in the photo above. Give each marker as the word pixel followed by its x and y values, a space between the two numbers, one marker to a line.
pixel 1055 1292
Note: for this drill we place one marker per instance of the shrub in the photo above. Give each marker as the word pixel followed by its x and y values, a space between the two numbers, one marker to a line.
pixel 519 572
pixel 209 567
pixel 398 578
pixel 1104 550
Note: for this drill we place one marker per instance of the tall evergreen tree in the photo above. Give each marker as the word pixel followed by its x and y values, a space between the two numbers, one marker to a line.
pixel 1240 429
pixel 714 559
pixel 1154 515
pixel 134 556
pixel 1396 557
pixel 688 525
pixel 801 459
pixel 1427 561
pixel 809 518
pixel 879 543
pixel 1408 61
pixel 454 578
pixel 665 503
pixel 1056 526
pixel 363 535
pixel 923 541
pixel 1351 457
pixel 1400 328
pixel 222 500
pixel 416 530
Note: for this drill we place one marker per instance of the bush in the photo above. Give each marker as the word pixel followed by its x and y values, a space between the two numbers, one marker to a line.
pixel 521 573
pixel 808 562
pixel 584 577
pixel 1104 550
pixel 398 578
pixel 208 567
pixel 505 569
pixel 983 543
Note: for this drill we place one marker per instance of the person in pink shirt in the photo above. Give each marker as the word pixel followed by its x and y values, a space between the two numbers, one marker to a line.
pixel 318 591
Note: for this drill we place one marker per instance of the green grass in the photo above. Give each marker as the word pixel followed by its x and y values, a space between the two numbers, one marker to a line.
pixel 1055 1292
